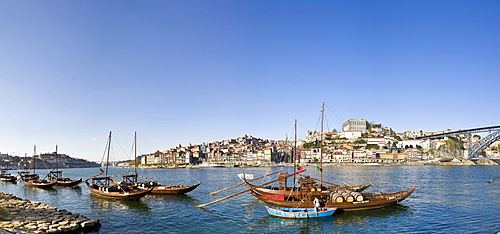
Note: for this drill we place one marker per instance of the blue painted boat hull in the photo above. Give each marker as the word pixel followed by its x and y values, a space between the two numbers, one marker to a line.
pixel 300 213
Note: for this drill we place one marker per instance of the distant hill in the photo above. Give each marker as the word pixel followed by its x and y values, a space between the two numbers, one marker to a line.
pixel 47 160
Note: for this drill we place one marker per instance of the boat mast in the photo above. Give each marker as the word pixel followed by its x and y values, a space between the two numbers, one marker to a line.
pixel 34 160
pixel 321 144
pixel 107 159
pixel 294 155
pixel 57 160
pixel 25 162
pixel 135 157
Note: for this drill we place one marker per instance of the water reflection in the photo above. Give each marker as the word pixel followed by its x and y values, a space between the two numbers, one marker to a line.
pixel 111 204
pixel 362 217
pixel 251 207
pixel 32 191
pixel 343 219
pixel 293 225
pixel 176 198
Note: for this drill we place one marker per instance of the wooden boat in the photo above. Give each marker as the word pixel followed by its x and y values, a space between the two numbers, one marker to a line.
pixel 34 180
pixel 296 191
pixel 168 189
pixel 62 180
pixel 369 200
pixel 41 183
pixel 7 177
pixel 58 176
pixel 107 187
pixel 27 176
pixel 132 179
pixel 300 213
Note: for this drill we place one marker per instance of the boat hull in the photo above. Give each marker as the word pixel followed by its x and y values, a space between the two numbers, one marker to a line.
pixel 135 194
pixel 40 183
pixel 173 189
pixel 9 179
pixel 371 201
pixel 68 183
pixel 300 213
pixel 294 192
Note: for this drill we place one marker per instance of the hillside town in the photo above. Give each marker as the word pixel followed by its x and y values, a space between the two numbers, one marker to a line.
pixel 359 142
pixel 43 161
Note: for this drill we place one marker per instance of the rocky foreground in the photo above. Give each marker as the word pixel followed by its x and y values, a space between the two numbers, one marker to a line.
pixel 23 216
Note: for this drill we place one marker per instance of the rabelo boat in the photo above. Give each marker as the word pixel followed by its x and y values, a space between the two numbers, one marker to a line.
pixel 107 187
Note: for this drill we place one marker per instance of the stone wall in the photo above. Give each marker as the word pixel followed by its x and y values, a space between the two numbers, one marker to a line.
pixel 23 216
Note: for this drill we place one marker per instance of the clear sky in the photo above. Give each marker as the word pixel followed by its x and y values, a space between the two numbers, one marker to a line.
pixel 181 72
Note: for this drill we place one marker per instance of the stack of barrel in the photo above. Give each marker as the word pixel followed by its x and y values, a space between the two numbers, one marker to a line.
pixel 346 196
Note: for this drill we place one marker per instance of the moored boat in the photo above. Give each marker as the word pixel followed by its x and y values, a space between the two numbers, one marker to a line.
pixel 7 177
pixel 58 176
pixel 62 180
pixel 155 187
pixel 107 187
pixel 327 198
pixel 168 189
pixel 41 183
pixel 33 179
pixel 300 213
pixel 27 176
pixel 297 191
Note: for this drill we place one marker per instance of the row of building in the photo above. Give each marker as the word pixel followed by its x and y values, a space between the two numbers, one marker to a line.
pixel 359 141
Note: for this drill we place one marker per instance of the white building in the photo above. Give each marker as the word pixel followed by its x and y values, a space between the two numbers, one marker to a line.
pixel 350 134
pixel 355 124
pixel 381 142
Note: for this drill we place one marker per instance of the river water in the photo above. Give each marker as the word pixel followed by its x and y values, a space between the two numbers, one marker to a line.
pixel 448 199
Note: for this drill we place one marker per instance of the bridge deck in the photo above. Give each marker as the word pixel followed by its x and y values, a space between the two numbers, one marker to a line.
pixel 461 131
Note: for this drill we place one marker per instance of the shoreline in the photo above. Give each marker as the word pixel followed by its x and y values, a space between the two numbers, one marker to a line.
pixel 481 162
pixel 19 215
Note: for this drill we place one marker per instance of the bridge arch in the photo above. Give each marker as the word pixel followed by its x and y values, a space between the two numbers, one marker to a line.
pixel 476 149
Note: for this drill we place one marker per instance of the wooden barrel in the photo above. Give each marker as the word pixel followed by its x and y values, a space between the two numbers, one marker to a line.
pixel 357 196
pixel 335 197
pixel 348 197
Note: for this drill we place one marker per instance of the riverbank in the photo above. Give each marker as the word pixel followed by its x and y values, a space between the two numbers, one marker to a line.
pixel 23 216
pixel 457 162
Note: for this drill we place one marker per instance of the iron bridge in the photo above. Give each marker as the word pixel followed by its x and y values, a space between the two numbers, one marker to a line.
pixel 474 151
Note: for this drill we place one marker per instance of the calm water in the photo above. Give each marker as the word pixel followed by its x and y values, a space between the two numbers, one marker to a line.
pixel 449 199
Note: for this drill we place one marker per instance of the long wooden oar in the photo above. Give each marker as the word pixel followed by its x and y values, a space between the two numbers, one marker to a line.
pixel 212 193
pixel 323 181
pixel 146 178
pixel 210 203
pixel 96 176
pixel 87 179
pixel 493 179
pixel 120 174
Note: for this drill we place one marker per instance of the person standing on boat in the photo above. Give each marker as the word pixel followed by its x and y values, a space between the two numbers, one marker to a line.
pixel 316 204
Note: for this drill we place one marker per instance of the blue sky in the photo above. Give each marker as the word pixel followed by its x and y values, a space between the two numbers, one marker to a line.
pixel 181 72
